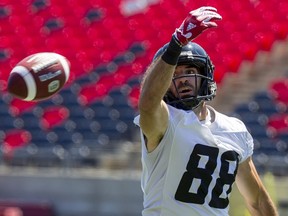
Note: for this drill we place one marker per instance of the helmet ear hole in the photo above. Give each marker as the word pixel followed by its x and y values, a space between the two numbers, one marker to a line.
pixel 212 88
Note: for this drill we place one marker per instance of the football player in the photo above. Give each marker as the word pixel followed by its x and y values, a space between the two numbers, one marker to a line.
pixel 191 153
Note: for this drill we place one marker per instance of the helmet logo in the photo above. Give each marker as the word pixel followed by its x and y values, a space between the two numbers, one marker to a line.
pixel 186 53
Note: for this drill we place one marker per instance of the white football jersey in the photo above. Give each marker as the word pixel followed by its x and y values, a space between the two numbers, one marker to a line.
pixel 192 170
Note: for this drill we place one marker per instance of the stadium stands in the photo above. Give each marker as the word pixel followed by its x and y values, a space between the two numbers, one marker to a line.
pixel 109 51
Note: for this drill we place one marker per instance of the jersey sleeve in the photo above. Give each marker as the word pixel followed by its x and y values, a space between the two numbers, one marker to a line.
pixel 246 141
pixel 249 146
pixel 152 158
pixel 235 130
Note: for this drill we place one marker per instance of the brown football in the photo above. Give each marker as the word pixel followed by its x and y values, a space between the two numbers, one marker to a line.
pixel 39 76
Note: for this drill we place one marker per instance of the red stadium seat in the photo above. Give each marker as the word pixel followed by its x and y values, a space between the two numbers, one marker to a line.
pixel 121 76
pixel 278 124
pixel 219 73
pixel 278 85
pixel 281 97
pixel 17 106
pixel 53 116
pixel 248 50
pixel 95 91
pixel 280 29
pixel 133 97
pixel 14 139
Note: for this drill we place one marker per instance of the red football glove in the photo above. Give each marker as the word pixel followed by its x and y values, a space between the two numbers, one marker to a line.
pixel 195 23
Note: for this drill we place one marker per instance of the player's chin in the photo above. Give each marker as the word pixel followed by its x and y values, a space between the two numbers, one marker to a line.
pixel 186 95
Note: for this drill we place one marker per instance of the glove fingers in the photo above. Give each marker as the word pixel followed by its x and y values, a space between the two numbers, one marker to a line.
pixel 209 16
pixel 209 8
pixel 203 10
pixel 209 24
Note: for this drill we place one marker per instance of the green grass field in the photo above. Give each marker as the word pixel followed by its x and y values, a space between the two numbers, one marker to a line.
pixel 277 188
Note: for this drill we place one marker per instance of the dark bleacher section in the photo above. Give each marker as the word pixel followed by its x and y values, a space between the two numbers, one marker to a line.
pixel 266 117
pixel 109 51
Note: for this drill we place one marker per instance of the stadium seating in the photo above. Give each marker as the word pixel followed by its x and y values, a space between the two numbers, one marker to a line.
pixel 266 119
pixel 109 51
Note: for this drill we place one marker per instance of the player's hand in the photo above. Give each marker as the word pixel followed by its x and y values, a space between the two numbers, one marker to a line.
pixel 195 23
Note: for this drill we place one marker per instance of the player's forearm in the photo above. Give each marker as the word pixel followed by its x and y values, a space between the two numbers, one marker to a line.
pixel 159 76
pixel 264 207
pixel 267 210
pixel 156 84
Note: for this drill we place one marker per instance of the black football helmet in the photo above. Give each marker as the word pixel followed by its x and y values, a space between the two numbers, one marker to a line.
pixel 192 54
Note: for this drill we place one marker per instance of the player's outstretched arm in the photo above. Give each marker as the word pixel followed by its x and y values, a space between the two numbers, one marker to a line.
pixel 158 77
pixel 250 186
